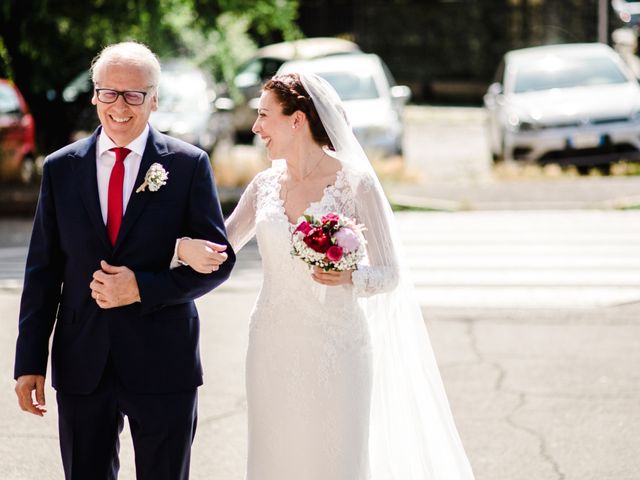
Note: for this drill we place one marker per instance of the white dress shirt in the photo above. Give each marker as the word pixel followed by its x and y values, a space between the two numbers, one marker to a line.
pixel 106 159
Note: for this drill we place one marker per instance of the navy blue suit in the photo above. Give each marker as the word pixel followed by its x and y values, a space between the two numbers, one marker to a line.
pixel 148 348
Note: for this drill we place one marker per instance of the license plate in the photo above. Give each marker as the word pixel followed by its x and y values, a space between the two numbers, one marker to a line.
pixel 585 140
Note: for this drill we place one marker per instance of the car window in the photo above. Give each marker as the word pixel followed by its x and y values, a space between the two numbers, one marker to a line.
pixel 257 71
pixel 558 72
pixel 9 102
pixel 351 85
pixel 182 93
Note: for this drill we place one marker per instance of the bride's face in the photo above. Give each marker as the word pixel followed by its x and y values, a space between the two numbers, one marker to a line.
pixel 274 127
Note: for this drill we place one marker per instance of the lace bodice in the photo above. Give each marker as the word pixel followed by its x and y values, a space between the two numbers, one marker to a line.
pixel 308 360
pixel 261 211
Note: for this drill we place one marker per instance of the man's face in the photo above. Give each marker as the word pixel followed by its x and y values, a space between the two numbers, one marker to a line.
pixel 120 121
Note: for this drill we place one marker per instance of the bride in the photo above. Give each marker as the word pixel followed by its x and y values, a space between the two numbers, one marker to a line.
pixel 341 379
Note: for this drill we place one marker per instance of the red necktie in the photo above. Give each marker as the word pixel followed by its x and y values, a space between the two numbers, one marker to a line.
pixel 114 208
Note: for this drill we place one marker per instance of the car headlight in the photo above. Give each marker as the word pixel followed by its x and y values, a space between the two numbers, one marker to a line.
pixel 517 124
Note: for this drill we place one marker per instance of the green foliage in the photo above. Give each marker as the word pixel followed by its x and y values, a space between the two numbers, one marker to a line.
pixel 44 44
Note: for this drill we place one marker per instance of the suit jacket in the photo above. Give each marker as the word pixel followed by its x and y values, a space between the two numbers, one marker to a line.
pixel 153 344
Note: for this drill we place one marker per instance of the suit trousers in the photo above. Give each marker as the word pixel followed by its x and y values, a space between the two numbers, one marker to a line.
pixel 162 427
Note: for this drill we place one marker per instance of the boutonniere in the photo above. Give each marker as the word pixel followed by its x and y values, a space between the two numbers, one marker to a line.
pixel 155 177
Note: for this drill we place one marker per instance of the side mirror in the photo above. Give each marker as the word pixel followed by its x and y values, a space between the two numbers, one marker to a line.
pixel 400 93
pixel 493 96
pixel 495 89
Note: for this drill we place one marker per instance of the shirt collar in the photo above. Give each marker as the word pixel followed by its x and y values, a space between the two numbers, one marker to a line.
pixel 136 146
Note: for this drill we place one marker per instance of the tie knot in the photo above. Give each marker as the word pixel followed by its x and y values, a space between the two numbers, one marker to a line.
pixel 121 153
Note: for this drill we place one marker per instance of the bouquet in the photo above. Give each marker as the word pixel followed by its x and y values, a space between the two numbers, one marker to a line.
pixel 333 242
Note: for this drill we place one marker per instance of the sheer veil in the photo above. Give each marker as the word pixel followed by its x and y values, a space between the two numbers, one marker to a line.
pixel 412 432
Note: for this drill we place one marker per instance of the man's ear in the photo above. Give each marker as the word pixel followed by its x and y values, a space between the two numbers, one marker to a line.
pixel 154 101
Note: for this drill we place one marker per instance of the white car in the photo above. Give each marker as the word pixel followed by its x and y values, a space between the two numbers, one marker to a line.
pixel 372 100
pixel 627 10
pixel 265 63
pixel 189 107
pixel 573 104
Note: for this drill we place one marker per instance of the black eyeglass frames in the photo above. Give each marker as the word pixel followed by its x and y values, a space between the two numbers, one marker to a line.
pixel 131 97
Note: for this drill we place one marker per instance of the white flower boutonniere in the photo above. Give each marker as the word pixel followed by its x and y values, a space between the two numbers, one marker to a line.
pixel 155 177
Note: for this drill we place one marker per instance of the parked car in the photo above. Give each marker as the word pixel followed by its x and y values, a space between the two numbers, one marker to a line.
pixel 569 104
pixel 190 108
pixel 266 62
pixel 372 100
pixel 627 10
pixel 17 136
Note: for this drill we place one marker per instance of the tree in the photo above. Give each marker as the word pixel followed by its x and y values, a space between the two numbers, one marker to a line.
pixel 44 44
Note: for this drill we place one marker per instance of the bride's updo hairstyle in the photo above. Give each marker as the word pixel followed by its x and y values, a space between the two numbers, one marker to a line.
pixel 292 96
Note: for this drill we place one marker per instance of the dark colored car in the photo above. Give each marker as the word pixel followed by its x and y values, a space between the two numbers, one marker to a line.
pixel 17 136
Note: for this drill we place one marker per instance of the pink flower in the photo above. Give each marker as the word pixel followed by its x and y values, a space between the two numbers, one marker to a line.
pixel 334 253
pixel 330 220
pixel 330 217
pixel 347 239
pixel 304 227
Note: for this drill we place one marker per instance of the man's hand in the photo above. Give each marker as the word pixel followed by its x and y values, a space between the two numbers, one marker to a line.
pixel 25 385
pixel 114 286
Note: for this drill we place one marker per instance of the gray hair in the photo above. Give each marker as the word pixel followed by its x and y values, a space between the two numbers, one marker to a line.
pixel 128 53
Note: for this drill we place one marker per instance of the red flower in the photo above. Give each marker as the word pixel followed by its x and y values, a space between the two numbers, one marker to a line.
pixel 334 253
pixel 304 227
pixel 318 240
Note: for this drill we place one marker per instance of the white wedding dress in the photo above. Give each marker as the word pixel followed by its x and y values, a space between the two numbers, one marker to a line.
pixel 342 382
pixel 309 366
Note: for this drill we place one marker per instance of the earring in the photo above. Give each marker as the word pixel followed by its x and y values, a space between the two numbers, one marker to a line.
pixel 293 126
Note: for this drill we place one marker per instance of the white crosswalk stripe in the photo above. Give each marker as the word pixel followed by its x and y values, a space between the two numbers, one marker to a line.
pixel 526 259
pixel 499 259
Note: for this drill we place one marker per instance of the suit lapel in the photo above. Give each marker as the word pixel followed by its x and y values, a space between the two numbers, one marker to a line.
pixel 154 151
pixel 88 184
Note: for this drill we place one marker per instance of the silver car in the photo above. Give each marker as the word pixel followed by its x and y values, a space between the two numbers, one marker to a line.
pixel 266 62
pixel 371 98
pixel 573 104
pixel 189 107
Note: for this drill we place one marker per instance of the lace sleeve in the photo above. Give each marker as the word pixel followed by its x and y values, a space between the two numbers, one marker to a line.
pixel 380 274
pixel 241 224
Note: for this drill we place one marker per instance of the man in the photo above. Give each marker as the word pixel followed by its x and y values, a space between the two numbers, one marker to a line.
pixel 126 327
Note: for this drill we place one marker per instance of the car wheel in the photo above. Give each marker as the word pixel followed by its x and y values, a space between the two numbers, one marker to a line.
pixel 583 169
pixel 27 170
pixel 397 149
pixel 604 169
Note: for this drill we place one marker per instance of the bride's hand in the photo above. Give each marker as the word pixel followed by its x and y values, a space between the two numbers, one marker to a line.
pixel 201 255
pixel 332 277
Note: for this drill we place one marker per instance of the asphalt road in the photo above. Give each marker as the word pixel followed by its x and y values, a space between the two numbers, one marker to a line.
pixel 539 391
pixel 533 317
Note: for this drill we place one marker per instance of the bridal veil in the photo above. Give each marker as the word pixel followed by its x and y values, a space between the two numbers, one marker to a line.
pixel 412 432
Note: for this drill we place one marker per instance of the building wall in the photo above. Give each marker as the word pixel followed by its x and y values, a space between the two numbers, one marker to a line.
pixel 448 50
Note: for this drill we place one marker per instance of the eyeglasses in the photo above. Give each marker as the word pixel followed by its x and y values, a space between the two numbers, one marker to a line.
pixel 131 97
